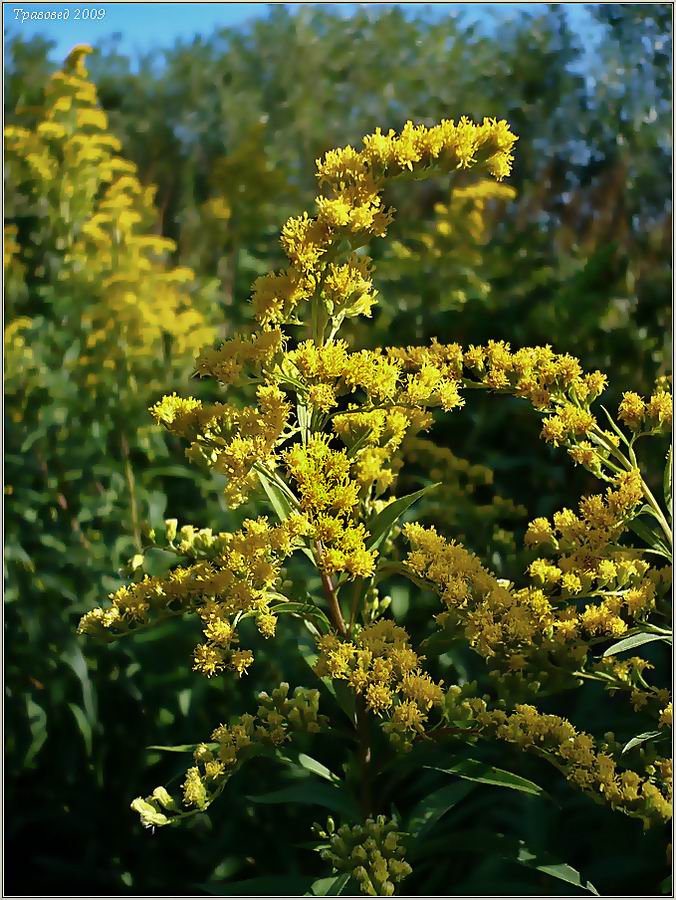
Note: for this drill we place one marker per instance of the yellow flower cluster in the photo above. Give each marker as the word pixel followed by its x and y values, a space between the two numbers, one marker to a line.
pixel 537 624
pixel 372 853
pixel 554 383
pixel 351 210
pixel 588 559
pixel 19 356
pixel 399 385
pixel 380 665
pixel 232 441
pixel 328 498
pixel 228 362
pixel 237 581
pixel 494 619
pixel 97 217
pixel 415 377
pixel 592 770
pixel 278 719
pixel 653 416
pixel 336 371
pixel 666 716
pixel 628 675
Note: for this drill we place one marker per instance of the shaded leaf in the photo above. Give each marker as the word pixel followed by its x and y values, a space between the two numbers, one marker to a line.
pixel 279 500
pixel 267 885
pixel 302 609
pixel 37 722
pixel 546 863
pixel 650 534
pixel 74 658
pixel 329 887
pixel 83 725
pixel 181 748
pixel 157 562
pixel 282 502
pixel 313 765
pixel 311 793
pixel 431 808
pixel 339 690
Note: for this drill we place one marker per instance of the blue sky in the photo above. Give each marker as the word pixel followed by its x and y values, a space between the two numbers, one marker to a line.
pixel 148 26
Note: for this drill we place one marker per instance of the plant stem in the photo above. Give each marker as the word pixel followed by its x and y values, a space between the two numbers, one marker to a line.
pixel 659 515
pixel 356 594
pixel 131 485
pixel 332 597
pixel 364 756
pixel 362 721
pixel 647 493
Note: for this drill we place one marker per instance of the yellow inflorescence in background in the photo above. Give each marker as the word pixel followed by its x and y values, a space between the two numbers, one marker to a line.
pixel 97 220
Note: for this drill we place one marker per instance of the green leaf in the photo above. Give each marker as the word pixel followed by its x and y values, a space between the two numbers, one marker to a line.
pixel 339 690
pixel 157 504
pixel 431 808
pixel 667 479
pixel 266 886
pixel 636 640
pixel 649 533
pixel 83 725
pixel 313 765
pixel 641 739
pixel 37 722
pixel 181 748
pixel 311 793
pixel 329 887
pixel 48 540
pixel 380 525
pixel 157 562
pixel 345 698
pixel 300 608
pixel 473 770
pixel 546 864
pixel 279 500
pixel 74 658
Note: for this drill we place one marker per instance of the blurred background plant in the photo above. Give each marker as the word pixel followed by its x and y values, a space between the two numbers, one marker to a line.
pixel 574 250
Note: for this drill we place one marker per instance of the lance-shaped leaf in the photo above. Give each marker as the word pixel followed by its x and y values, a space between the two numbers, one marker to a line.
pixel 182 748
pixel 636 640
pixel 310 792
pixel 431 808
pixel 474 770
pixel 667 480
pixel 157 562
pixel 280 500
pixel 380 525
pixel 548 865
pixel 641 739
pixel 333 886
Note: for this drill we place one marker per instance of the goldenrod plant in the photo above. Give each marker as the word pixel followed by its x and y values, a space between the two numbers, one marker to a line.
pixel 316 429
pixel 97 318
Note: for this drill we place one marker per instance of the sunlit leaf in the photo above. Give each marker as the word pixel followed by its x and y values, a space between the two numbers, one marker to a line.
pixel 474 770
pixel 635 640
pixel 380 525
